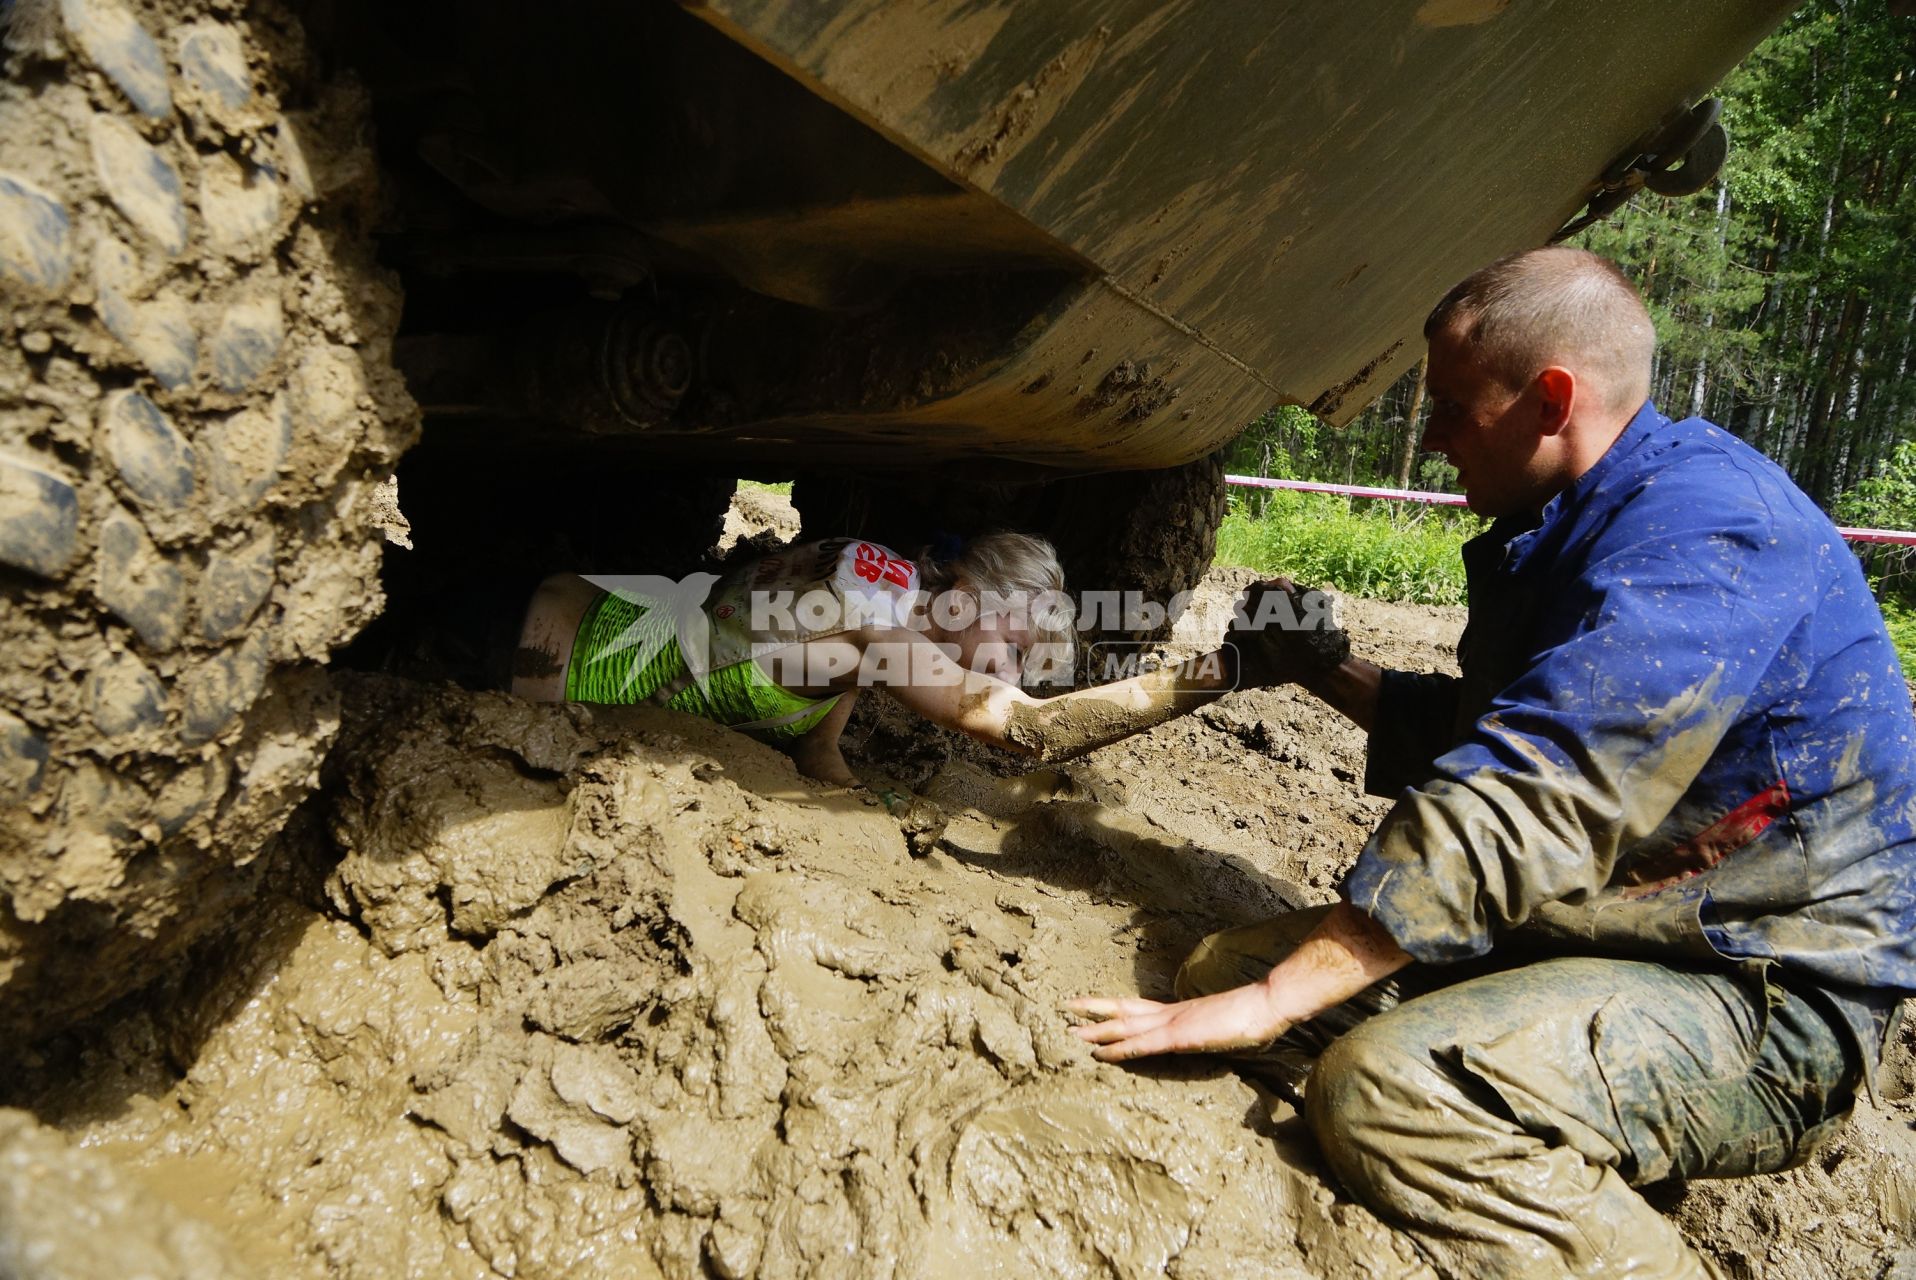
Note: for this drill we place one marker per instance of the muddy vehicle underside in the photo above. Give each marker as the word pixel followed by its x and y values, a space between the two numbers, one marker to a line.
pixel 1075 236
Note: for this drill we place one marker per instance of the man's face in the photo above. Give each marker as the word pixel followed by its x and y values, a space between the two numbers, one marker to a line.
pixel 1484 429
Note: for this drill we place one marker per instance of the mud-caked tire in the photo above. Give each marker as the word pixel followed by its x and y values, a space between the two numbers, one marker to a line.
pixel 197 406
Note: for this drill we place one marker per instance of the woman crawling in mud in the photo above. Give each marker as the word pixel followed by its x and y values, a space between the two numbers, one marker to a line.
pixel 780 648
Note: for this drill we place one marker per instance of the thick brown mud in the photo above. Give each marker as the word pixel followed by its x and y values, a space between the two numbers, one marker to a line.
pixel 540 990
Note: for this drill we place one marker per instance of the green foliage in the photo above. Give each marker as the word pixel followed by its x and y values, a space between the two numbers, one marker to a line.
pixel 1435 475
pixel 1784 295
pixel 1380 551
pixel 1784 298
pixel 1886 500
pixel 1285 443
pixel 1902 633
pixel 781 486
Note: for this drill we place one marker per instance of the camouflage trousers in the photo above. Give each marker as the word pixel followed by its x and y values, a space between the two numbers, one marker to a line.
pixel 1500 1115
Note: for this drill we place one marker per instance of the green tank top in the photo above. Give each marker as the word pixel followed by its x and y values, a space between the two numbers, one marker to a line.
pixel 618 634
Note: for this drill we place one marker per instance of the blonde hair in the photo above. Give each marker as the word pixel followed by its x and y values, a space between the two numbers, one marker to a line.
pixel 1526 312
pixel 1017 565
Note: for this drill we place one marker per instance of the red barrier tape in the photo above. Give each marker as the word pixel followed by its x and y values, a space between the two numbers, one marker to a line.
pixel 1897 536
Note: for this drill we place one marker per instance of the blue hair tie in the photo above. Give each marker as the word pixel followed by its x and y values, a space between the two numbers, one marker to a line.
pixel 946 546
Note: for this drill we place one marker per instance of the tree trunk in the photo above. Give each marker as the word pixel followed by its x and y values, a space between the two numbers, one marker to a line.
pixel 1820 449
pixel 1407 447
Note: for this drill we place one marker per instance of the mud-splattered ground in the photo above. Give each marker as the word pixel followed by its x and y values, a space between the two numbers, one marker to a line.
pixel 547 991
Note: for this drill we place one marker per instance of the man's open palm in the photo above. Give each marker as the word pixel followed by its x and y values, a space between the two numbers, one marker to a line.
pixel 1242 1018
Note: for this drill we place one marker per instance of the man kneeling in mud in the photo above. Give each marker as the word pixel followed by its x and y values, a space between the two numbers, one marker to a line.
pixel 1646 889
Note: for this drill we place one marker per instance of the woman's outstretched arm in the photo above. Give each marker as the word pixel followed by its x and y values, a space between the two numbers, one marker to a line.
pixel 924 677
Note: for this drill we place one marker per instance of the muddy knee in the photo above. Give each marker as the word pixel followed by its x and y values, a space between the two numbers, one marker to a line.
pixel 1369 1098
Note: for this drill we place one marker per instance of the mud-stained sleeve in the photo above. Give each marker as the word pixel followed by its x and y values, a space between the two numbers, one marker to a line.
pixel 1416 721
pixel 1642 664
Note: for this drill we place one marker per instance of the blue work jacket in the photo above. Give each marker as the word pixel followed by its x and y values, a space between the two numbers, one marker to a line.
pixel 1681 731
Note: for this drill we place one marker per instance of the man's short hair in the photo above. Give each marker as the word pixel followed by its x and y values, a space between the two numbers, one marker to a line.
pixel 1569 307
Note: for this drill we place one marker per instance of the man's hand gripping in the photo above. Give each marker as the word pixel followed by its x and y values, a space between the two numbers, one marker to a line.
pixel 1285 634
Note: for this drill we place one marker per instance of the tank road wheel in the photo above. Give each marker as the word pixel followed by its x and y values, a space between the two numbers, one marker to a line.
pixel 1153 532
pixel 196 407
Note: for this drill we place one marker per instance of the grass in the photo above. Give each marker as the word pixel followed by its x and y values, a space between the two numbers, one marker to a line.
pixel 1381 551
pixel 1902 632
pixel 782 486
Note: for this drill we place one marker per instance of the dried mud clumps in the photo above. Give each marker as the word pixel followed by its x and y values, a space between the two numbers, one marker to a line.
pixel 196 406
pixel 611 992
pixel 614 993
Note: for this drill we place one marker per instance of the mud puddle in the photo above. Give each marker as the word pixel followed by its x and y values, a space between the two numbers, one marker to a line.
pixel 553 991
